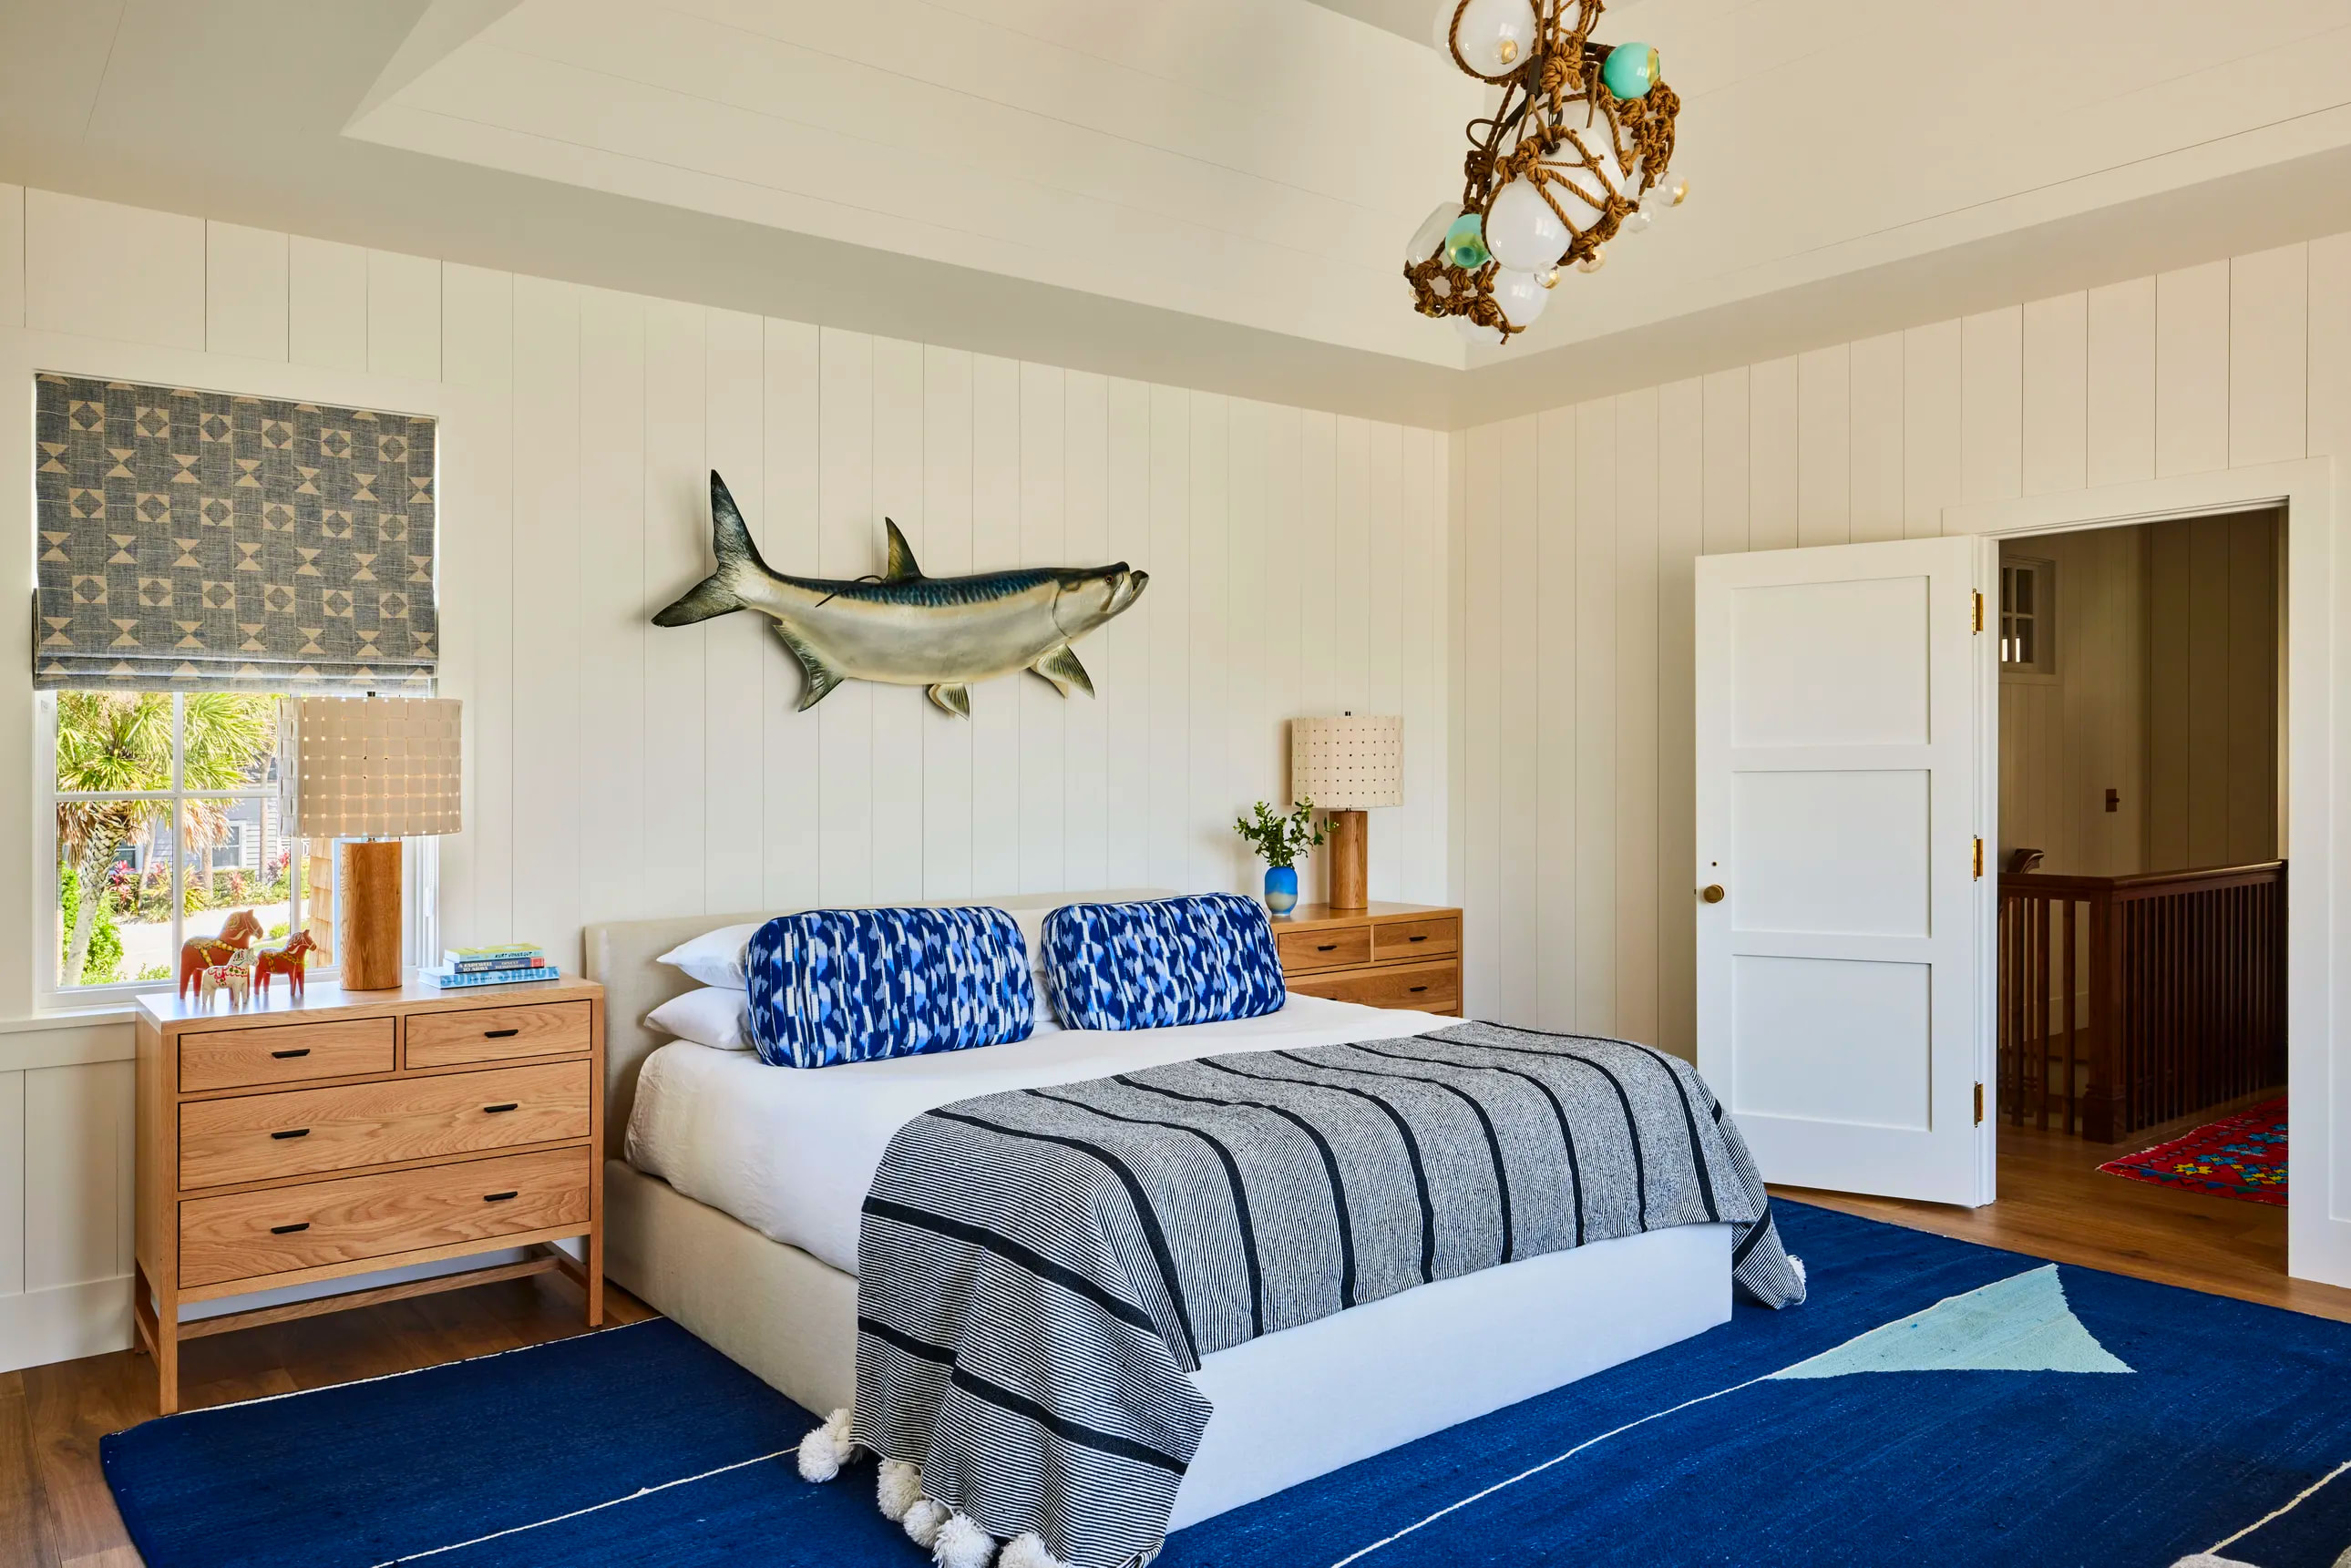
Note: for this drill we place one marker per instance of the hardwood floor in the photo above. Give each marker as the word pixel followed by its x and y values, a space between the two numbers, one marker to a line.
pixel 55 1509
pixel 2054 1203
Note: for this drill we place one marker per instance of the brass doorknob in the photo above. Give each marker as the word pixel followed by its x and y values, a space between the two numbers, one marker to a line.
pixel 1712 892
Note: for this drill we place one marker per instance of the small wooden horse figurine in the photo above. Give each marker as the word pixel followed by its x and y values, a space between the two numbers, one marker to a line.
pixel 234 977
pixel 197 954
pixel 286 961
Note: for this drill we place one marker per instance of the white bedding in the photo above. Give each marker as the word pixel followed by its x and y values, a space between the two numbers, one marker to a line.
pixel 790 1152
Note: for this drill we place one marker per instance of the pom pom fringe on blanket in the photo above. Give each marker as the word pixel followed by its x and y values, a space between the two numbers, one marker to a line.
pixel 1040 1271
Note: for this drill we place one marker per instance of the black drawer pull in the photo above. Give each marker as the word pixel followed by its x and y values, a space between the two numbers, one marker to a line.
pixel 1328 947
pixel 497 1196
pixel 287 1055
pixel 499 1033
pixel 1420 938
pixel 493 1110
pixel 293 1132
pixel 288 1230
pixel 1417 989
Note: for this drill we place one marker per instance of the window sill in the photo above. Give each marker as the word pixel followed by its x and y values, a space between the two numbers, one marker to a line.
pixel 108 1012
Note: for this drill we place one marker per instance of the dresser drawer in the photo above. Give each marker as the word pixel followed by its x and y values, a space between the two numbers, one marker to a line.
pixel 1401 940
pixel 300 1132
pixel 1431 988
pixel 494 1034
pixel 245 1234
pixel 1325 947
pixel 287 1053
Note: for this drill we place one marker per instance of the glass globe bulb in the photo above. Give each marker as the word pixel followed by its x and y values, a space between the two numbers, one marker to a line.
pixel 1521 231
pixel 1638 221
pixel 1599 139
pixel 1521 296
pixel 1631 70
pixel 1465 243
pixel 1431 233
pixel 1494 35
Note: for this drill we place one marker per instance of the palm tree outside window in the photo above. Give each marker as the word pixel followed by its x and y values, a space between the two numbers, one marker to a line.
pixel 167 823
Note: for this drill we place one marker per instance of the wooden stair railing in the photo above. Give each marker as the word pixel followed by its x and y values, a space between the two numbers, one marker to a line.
pixel 2129 1000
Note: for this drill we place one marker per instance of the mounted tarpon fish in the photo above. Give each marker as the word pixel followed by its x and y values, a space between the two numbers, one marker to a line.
pixel 937 632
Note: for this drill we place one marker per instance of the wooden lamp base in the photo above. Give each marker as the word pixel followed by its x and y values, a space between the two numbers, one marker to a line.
pixel 369 932
pixel 1350 860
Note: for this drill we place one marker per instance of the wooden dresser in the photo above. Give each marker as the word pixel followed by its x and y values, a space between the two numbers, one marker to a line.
pixel 286 1143
pixel 1388 956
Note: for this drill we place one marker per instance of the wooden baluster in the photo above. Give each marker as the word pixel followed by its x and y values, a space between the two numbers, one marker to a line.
pixel 2073 1027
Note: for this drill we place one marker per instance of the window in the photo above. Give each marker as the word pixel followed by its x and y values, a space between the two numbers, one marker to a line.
pixel 167 827
pixel 2028 623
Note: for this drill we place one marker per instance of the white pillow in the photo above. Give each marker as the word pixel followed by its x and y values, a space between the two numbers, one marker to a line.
pixel 713 1016
pixel 716 958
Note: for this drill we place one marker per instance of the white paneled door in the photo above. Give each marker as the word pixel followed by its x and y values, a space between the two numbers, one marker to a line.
pixel 1844 747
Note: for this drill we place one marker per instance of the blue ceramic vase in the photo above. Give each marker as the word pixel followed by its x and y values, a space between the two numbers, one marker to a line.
pixel 1281 888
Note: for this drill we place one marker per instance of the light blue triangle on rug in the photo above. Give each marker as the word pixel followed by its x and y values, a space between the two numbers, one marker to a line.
pixel 2018 1325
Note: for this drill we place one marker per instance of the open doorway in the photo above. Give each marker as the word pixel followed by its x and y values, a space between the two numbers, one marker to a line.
pixel 2142 927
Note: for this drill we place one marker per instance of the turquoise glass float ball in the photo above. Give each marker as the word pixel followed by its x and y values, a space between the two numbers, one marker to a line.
pixel 1631 70
pixel 1465 243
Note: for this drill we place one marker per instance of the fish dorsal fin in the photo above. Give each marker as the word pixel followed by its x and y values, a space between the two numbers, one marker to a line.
pixel 902 556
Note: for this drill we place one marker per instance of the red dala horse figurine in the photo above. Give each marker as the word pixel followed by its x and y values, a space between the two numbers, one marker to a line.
pixel 197 954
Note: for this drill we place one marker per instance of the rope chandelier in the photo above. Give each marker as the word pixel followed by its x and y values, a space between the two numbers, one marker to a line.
pixel 1574 154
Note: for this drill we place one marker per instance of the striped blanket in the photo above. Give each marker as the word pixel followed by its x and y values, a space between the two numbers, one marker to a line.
pixel 1039 1271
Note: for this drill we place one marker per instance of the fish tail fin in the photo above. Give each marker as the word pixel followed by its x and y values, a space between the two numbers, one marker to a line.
pixel 739 557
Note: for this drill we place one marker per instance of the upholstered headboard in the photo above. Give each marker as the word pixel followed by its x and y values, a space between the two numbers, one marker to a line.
pixel 621 954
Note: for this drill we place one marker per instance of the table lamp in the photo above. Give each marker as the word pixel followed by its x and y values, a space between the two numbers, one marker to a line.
pixel 369 772
pixel 1346 765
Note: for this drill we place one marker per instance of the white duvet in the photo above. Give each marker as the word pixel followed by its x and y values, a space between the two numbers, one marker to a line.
pixel 790 1152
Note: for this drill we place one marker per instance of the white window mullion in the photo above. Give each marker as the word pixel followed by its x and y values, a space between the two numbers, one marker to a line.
pixel 179 821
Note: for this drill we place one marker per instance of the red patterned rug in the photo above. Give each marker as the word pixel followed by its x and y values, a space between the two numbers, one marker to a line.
pixel 2242 1155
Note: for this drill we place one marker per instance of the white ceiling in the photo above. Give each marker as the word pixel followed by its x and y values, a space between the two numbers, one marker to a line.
pixel 1211 192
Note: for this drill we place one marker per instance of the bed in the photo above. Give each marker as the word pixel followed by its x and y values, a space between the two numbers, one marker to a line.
pixel 733 1211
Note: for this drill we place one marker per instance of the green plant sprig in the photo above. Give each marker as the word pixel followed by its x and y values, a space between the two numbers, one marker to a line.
pixel 1278 840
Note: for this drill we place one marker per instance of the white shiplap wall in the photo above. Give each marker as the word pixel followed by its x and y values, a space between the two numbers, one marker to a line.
pixel 1298 563
pixel 1574 767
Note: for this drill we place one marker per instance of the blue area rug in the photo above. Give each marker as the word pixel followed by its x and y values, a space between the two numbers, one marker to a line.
pixel 1935 1404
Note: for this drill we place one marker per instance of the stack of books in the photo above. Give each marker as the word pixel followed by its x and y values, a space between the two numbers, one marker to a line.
pixel 504 963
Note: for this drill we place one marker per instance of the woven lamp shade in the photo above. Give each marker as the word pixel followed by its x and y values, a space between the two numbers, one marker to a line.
pixel 1349 763
pixel 375 768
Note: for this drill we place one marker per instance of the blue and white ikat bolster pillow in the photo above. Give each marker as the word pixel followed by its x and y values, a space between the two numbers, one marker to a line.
pixel 1162 963
pixel 834 986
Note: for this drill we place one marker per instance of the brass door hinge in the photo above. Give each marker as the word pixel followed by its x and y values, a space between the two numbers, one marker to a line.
pixel 1979 611
pixel 1978 1104
pixel 1978 860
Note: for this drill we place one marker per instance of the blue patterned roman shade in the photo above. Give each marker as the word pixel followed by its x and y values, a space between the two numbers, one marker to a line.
pixel 1162 963
pixel 196 538
pixel 833 986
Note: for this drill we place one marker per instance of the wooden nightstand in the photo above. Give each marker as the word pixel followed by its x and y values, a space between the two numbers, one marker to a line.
pixel 1388 956
pixel 288 1143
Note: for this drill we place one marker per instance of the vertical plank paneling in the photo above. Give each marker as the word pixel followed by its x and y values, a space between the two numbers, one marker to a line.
pixel 1318 616
pixel 735 652
pixel 1424 648
pixel 1458 606
pixel 2119 424
pixel 1086 521
pixel 2252 704
pixel 789 528
pixel 100 270
pixel 946 549
pixel 1209 851
pixel 846 547
pixel 547 715
pixel 326 304
pixel 1349 570
pixel 1931 420
pixel 2056 395
pixel 1171 709
pixel 1252 723
pixel 1880 488
pixel 1384 553
pixel 1555 847
pixel 1043 539
pixel 1518 676
pixel 1726 489
pixel 1991 405
pixel 12 255
pixel 2269 355
pixel 2206 688
pixel 1284 637
pixel 1825 455
pixel 2330 347
pixel 899 713
pixel 1598 700
pixel 1681 522
pixel 996 771
pixel 477 564
pixel 404 316
pixel 77 1153
pixel 12 1175
pixel 2191 369
pixel 1483 831
pixel 2166 709
pixel 244 293
pixel 612 612
pixel 678 484
pixel 1772 463
pixel 1125 643
pixel 1636 715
